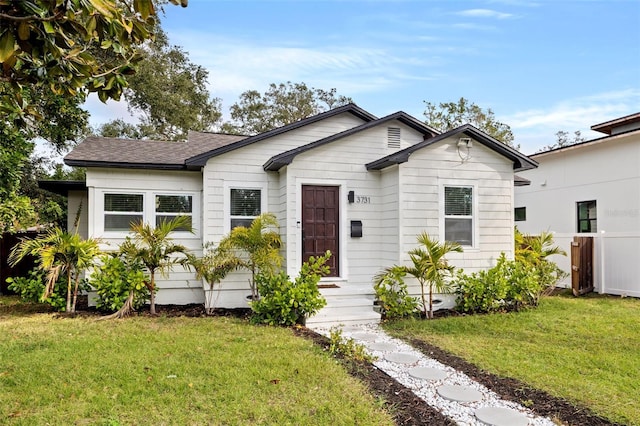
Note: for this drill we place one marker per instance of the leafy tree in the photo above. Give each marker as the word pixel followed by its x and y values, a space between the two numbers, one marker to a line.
pixel 153 247
pixel 449 115
pixel 59 253
pixel 563 140
pixel 56 45
pixel 281 104
pixel 429 267
pixel 256 248
pixel 170 94
pixel 118 128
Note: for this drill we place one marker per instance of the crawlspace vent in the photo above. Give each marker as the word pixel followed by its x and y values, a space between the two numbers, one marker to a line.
pixel 393 137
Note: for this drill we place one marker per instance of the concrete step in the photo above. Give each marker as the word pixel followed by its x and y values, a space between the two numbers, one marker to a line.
pixel 346 301
pixel 347 290
pixel 345 314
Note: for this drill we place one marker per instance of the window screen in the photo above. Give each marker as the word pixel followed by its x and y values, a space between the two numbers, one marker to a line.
pixel 122 210
pixel 245 206
pixel 169 207
pixel 458 214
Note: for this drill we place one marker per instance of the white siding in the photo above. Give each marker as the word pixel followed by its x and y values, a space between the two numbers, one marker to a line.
pixel 181 286
pixel 78 208
pixel 491 175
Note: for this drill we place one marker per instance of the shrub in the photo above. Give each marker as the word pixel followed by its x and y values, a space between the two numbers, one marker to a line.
pixel 510 285
pixel 392 294
pixel 114 279
pixel 283 302
pixel 31 289
pixel 348 348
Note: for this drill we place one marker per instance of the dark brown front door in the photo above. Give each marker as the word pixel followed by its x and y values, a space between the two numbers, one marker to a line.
pixel 321 223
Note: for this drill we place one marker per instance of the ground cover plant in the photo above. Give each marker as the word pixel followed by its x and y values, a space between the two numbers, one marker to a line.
pixel 207 370
pixel 584 350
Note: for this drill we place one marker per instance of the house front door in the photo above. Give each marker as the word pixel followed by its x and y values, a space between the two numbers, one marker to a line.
pixel 321 224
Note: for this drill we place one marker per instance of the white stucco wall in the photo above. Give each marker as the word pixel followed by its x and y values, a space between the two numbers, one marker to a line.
pixel 607 171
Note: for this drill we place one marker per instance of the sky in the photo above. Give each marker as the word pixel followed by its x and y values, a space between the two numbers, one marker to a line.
pixel 540 66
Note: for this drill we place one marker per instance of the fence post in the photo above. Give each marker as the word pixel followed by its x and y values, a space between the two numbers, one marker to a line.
pixel 602 263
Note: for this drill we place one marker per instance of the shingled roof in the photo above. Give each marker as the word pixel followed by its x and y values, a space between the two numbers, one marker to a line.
pixel 145 154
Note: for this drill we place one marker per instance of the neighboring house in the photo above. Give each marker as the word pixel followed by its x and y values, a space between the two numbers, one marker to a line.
pixel 591 188
pixel 344 180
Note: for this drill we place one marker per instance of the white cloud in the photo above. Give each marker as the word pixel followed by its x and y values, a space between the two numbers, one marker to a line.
pixel 536 128
pixel 484 13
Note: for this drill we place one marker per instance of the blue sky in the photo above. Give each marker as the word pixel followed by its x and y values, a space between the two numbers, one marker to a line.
pixel 541 66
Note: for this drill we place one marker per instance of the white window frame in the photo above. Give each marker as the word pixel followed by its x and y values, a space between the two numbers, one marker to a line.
pixel 148 211
pixel 474 210
pixel 228 186
pixel 155 213
pixel 104 212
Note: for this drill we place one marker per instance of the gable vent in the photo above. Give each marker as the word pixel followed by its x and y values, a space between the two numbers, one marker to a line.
pixel 393 137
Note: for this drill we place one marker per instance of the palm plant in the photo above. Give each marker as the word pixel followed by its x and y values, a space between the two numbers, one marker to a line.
pixel 429 267
pixel 213 267
pixel 534 251
pixel 153 247
pixel 59 253
pixel 256 248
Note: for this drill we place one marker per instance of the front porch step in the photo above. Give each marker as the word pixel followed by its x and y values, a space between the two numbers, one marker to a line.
pixel 345 310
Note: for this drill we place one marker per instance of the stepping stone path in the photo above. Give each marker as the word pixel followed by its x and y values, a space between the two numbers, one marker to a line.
pixel 453 393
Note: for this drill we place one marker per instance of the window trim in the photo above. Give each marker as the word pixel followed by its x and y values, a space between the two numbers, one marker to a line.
pixel 155 213
pixel 148 210
pixel 474 210
pixel 228 186
pixel 589 219
pixel 104 211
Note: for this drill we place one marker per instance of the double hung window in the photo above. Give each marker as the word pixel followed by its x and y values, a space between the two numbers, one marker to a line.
pixel 122 210
pixel 246 205
pixel 458 214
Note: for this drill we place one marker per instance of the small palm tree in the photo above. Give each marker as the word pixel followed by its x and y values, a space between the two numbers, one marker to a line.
pixel 59 253
pixel 153 247
pixel 256 248
pixel 213 267
pixel 430 266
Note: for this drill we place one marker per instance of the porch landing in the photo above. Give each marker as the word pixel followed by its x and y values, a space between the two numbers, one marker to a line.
pixel 346 305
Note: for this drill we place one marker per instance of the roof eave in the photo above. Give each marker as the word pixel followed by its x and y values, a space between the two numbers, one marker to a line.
pixel 121 165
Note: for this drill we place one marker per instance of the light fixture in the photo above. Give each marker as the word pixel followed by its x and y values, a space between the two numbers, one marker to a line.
pixel 464 144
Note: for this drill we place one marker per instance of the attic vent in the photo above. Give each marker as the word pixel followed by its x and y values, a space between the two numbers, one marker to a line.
pixel 393 137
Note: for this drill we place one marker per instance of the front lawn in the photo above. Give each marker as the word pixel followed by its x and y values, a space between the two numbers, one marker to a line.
pixel 586 350
pixel 172 371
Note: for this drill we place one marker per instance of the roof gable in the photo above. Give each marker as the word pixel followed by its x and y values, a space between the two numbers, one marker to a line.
pixel 200 160
pixel 520 161
pixel 278 161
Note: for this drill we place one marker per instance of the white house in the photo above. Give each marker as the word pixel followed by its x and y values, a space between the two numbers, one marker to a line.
pixel 344 180
pixel 591 188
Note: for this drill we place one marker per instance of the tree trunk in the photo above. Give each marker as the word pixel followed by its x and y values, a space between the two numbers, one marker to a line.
pixel 75 294
pixel 152 291
pixel 430 302
pixel 125 311
pixel 424 301
pixel 68 292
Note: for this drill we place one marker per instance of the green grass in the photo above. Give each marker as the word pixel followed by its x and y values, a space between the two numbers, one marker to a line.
pixel 586 350
pixel 171 371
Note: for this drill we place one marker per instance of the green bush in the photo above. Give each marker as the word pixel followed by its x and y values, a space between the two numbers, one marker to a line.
pixel 283 302
pixel 31 289
pixel 510 285
pixel 114 279
pixel 348 348
pixel 392 295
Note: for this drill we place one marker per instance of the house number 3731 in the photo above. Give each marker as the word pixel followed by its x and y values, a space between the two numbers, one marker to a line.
pixel 363 200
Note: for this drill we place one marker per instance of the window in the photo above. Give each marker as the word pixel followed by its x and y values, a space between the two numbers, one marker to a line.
pixel 587 217
pixel 458 214
pixel 169 207
pixel 520 214
pixel 245 206
pixel 121 210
